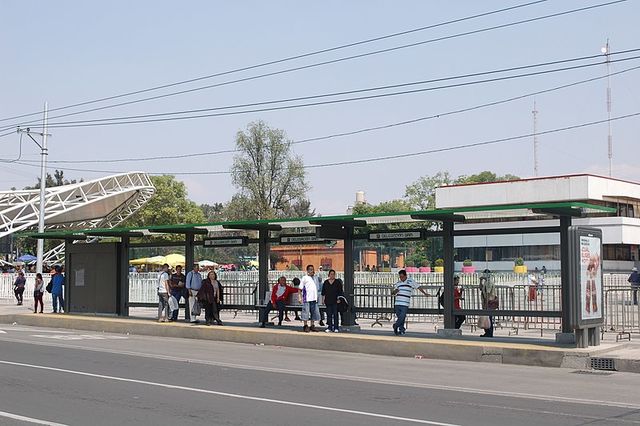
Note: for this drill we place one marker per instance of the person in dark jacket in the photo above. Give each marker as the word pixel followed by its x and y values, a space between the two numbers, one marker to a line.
pixel 57 290
pixel 18 287
pixel 209 297
pixel 279 295
pixel 634 280
pixel 332 290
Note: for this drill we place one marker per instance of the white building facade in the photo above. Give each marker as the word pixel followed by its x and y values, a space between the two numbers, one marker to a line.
pixel 621 233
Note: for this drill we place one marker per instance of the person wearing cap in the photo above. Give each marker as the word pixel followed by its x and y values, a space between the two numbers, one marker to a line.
pixel 57 289
pixel 634 279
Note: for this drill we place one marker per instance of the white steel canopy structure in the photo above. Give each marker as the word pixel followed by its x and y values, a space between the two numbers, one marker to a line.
pixel 99 203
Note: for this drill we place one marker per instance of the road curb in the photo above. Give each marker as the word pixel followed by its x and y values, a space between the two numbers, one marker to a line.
pixel 433 348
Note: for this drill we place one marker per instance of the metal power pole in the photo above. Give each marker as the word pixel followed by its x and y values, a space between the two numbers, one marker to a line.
pixel 43 180
pixel 535 139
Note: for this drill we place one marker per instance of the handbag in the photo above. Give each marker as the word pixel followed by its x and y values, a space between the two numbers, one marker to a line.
pixel 173 304
pixel 197 308
pixel 49 287
pixel 484 322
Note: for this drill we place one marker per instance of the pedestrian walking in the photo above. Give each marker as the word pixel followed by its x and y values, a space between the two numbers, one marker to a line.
pixel 634 280
pixel 332 289
pixel 193 284
pixel 163 293
pixel 178 291
pixel 209 297
pixel 279 295
pixel 18 287
pixel 38 292
pixel 309 299
pixel 403 291
pixel 57 289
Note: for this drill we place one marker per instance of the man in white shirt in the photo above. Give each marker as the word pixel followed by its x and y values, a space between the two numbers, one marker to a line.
pixel 403 291
pixel 308 296
pixel 193 284
pixel 163 293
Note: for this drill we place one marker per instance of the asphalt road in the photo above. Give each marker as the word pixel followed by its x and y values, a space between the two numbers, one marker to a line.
pixel 81 378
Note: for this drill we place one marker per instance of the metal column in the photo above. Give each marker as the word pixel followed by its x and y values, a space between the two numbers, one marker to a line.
pixel 349 286
pixel 189 256
pixel 565 262
pixel 263 263
pixel 122 307
pixel 449 267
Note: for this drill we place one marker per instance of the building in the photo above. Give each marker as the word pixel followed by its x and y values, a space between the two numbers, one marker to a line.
pixel 621 233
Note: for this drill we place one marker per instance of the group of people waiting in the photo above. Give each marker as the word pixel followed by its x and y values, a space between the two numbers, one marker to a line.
pixel 55 287
pixel 309 289
pixel 198 293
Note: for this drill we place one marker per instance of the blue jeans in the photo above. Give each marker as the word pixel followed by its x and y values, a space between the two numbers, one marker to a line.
pixel 332 317
pixel 401 314
pixel 177 293
pixel 55 298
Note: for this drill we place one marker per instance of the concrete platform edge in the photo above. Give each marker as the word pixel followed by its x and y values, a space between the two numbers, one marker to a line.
pixel 454 350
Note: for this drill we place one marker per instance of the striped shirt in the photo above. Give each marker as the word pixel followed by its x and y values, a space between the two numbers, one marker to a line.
pixel 405 289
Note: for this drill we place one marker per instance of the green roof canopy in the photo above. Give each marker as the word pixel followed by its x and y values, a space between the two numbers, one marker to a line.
pixel 512 211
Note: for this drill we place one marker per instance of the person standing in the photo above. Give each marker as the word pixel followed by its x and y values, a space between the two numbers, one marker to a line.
pixel 163 293
pixel 193 284
pixel 403 290
pixel 457 297
pixel 38 292
pixel 209 296
pixel 489 298
pixel 332 290
pixel 318 280
pixel 220 289
pixel 634 280
pixel 309 299
pixel 178 291
pixel 279 295
pixel 18 287
pixel 57 289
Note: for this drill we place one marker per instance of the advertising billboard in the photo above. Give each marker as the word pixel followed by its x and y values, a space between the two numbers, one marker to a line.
pixel 586 276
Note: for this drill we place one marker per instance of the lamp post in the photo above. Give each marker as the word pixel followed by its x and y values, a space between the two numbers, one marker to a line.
pixel 606 50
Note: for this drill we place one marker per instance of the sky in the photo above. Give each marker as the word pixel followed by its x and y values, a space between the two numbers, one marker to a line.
pixel 67 52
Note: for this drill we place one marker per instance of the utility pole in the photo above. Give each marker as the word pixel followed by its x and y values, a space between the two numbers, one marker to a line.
pixel 607 52
pixel 535 139
pixel 43 182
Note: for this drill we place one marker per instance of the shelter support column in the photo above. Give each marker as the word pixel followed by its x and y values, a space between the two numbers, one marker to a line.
pixel 449 268
pixel 122 292
pixel 349 286
pixel 189 248
pixel 263 263
pixel 565 265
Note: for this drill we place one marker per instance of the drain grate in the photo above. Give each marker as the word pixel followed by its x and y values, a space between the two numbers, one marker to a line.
pixel 603 364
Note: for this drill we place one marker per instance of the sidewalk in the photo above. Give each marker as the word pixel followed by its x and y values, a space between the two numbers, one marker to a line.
pixel 420 340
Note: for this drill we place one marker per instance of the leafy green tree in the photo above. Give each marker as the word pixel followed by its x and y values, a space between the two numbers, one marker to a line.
pixel 57 179
pixel 213 212
pixel 485 177
pixel 168 206
pixel 269 177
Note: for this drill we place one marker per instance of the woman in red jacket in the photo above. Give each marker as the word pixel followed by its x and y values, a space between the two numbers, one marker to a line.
pixel 279 295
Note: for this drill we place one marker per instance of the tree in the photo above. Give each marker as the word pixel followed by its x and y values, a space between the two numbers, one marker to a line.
pixel 56 180
pixel 169 205
pixel 213 212
pixel 484 177
pixel 269 177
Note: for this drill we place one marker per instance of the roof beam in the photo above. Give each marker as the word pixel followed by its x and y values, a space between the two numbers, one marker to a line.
pixel 567 211
pixel 254 226
pixel 440 217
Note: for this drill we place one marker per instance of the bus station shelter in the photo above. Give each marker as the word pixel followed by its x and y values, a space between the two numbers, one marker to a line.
pixel 97 260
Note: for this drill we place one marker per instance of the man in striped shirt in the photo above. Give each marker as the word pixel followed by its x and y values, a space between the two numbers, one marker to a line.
pixel 403 290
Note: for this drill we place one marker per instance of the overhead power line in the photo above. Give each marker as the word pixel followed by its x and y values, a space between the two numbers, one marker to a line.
pixel 477 31
pixel 109 122
pixel 388 157
pixel 281 60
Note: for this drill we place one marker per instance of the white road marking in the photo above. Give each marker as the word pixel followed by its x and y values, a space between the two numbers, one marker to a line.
pixel 29 419
pixel 78 337
pixel 230 395
pixel 327 375
pixel 3 332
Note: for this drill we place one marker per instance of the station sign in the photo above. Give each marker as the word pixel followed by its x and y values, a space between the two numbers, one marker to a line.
pixel 226 241
pixel 302 239
pixel 395 235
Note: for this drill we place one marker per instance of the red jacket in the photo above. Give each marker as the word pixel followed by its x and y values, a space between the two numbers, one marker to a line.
pixel 288 291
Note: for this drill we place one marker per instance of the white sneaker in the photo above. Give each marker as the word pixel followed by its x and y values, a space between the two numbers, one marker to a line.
pixel 327 331
pixel 336 331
